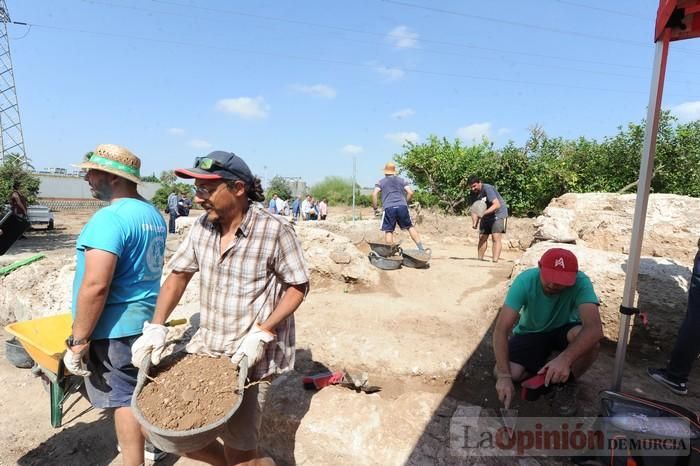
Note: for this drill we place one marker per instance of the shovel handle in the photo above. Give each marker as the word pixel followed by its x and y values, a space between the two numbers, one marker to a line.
pixel 174 322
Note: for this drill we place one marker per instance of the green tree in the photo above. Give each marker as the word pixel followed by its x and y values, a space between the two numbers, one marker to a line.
pixel 279 186
pixel 337 190
pixel 12 171
pixel 441 168
pixel 169 184
pixel 150 178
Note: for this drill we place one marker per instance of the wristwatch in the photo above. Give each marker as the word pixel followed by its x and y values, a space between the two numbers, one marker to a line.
pixel 70 341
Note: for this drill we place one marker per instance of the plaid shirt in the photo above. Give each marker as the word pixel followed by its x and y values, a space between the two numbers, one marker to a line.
pixel 243 285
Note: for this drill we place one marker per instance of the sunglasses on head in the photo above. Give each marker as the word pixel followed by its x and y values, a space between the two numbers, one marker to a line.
pixel 205 163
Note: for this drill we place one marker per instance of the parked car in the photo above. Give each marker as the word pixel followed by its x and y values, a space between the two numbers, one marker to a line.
pixel 40 215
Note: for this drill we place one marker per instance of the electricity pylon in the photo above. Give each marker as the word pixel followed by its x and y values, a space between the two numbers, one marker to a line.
pixel 11 137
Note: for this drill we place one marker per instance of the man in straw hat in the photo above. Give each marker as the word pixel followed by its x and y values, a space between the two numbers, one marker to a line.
pixel 396 193
pixel 553 307
pixel 253 277
pixel 117 279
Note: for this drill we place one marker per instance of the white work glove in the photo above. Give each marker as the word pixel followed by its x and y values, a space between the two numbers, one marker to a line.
pixel 151 342
pixel 253 346
pixel 74 362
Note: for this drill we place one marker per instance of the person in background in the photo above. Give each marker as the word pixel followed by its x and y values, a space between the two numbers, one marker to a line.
pixel 281 205
pixel 493 220
pixel 183 206
pixel 553 307
pixel 296 208
pixel 18 203
pixel 253 277
pixel 119 263
pixel 687 347
pixel 172 211
pixel 396 193
pixel 306 207
pixel 323 208
pixel 273 205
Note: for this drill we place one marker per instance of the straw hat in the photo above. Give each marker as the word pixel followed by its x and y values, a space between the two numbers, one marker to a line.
pixel 390 168
pixel 114 159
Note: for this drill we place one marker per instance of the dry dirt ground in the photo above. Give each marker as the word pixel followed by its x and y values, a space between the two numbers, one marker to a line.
pixel 446 311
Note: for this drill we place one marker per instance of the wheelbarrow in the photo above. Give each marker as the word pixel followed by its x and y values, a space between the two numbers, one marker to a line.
pixel 176 441
pixel 45 341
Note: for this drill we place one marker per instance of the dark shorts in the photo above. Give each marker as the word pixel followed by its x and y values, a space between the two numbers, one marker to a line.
pixel 491 225
pixel 113 378
pixel 531 350
pixel 394 215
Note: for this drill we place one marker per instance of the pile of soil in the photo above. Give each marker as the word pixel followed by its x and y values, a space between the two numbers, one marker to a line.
pixel 189 392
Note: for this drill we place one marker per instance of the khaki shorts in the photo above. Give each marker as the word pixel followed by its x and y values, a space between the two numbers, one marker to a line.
pixel 242 430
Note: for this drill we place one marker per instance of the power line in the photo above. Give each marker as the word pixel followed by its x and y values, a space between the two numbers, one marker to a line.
pixel 516 23
pixel 530 26
pixel 605 10
pixel 377 34
pixel 332 61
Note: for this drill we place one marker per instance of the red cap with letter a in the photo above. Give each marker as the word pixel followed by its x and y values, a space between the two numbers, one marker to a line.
pixel 559 266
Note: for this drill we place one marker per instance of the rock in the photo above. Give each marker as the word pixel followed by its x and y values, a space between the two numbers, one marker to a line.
pixel 556 225
pixel 604 221
pixel 339 426
pixel 340 257
pixel 334 256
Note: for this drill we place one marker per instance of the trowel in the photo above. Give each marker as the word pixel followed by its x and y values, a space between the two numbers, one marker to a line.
pixel 509 418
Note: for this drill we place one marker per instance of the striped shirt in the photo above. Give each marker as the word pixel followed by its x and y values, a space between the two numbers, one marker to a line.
pixel 243 285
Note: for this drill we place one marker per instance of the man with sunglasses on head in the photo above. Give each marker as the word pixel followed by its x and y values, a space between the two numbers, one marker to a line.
pixel 253 278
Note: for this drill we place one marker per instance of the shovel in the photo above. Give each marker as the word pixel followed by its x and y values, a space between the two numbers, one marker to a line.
pixel 509 418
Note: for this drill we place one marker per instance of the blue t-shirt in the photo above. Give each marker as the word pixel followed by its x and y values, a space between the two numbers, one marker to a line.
pixel 540 312
pixel 393 190
pixel 135 232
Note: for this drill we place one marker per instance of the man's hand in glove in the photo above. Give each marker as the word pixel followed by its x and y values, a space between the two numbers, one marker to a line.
pixel 253 346
pixel 151 342
pixel 74 360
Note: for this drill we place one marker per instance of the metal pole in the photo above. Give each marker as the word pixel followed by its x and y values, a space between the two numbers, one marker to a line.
pixel 354 167
pixel 640 210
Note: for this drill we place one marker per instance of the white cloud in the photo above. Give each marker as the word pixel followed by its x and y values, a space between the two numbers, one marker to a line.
pixel 352 149
pixel 317 90
pixel 403 113
pixel 402 138
pixel 391 74
pixel 248 108
pixel 199 144
pixel 402 37
pixel 687 111
pixel 176 131
pixel 474 132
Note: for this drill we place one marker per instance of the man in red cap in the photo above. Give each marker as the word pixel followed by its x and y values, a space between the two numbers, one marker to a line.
pixel 555 309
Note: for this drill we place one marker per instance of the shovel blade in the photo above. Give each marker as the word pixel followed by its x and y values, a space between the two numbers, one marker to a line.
pixel 509 418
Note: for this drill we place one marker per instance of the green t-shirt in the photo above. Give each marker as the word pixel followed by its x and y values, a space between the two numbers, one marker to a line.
pixel 540 312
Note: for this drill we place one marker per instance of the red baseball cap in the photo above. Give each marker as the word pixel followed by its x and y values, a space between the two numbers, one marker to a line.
pixel 559 266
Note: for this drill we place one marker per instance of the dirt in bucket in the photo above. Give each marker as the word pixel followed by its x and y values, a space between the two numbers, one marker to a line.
pixel 189 392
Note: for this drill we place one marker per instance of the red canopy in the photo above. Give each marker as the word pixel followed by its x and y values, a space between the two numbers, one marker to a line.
pixel 681 17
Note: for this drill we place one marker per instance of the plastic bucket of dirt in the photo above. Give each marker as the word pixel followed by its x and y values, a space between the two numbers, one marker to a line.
pixel 385 263
pixel 383 249
pixel 416 258
pixel 183 441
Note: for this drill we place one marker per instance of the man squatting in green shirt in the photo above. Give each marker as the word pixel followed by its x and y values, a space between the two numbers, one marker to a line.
pixel 555 309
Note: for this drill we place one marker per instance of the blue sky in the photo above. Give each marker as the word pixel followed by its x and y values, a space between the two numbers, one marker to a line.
pixel 301 88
